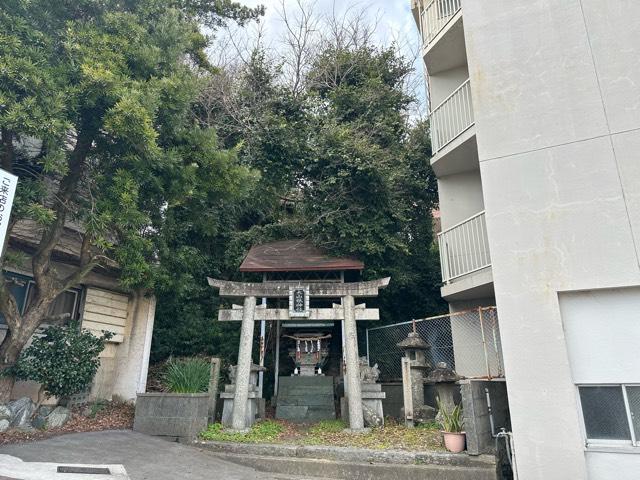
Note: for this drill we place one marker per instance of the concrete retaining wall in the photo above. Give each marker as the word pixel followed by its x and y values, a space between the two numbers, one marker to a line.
pixel 178 415
pixel 477 423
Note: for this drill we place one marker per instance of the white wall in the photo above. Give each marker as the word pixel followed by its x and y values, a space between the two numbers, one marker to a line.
pixel 556 92
pixel 460 197
pixel 444 83
pixel 602 332
pixel 612 466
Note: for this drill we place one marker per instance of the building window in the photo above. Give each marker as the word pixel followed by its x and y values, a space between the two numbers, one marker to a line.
pixel 611 413
pixel 18 286
pixel 65 307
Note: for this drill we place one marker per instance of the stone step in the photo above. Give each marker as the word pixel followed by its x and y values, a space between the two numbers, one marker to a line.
pixel 302 389
pixel 340 470
pixel 305 413
pixel 284 382
pixel 305 400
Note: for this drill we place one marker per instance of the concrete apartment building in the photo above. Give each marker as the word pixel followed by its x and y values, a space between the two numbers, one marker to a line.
pixel 535 126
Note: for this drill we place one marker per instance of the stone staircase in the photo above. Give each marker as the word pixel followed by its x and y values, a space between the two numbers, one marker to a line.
pixel 305 399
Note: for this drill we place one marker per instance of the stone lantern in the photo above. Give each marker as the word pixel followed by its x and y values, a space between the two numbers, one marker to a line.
pixel 444 379
pixel 415 367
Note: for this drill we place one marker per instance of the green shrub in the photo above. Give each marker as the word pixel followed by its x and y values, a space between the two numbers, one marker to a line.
pixel 64 360
pixel 452 421
pixel 189 375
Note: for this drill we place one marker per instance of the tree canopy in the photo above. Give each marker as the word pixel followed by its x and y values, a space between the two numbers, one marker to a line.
pixel 167 168
pixel 341 163
pixel 96 118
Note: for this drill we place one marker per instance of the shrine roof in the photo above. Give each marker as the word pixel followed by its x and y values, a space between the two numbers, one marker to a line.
pixel 294 256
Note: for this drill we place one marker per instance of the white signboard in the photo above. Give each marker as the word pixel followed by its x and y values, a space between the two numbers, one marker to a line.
pixel 8 183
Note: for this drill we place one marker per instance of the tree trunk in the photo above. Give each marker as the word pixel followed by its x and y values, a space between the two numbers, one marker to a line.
pixel 17 337
pixel 9 352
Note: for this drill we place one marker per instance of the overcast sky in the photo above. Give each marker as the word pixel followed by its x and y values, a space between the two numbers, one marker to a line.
pixel 394 20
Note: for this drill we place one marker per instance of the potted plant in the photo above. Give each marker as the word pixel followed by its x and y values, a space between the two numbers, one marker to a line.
pixel 452 423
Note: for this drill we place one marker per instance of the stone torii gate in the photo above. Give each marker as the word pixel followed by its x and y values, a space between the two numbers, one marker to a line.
pixel 299 295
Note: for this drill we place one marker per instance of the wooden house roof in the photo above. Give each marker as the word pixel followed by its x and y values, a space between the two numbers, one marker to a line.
pixel 294 256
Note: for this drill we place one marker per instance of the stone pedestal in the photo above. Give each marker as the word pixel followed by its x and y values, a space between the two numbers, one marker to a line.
pixel 254 406
pixel 252 411
pixel 372 396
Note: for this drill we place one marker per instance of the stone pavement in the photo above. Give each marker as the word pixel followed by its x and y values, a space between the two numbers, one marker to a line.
pixel 144 457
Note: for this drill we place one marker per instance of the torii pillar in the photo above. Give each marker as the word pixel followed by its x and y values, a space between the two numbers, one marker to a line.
pixel 347 311
pixel 243 371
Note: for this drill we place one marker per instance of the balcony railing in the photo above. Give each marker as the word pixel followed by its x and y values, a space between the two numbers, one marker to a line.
pixel 451 117
pixel 464 248
pixel 435 16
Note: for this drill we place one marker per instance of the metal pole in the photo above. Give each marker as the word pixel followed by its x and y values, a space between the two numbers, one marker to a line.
pixel 368 361
pixel 263 329
pixel 484 344
pixel 343 363
pixel 261 344
pixel 276 367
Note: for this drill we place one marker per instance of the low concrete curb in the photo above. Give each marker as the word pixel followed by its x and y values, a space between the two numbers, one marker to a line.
pixel 329 469
pixel 352 455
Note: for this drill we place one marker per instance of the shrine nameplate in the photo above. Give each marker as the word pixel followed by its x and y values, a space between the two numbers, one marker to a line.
pixel 299 301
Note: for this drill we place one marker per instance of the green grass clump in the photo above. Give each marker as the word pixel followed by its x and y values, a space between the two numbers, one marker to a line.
pixel 261 432
pixel 190 375
pixel 327 426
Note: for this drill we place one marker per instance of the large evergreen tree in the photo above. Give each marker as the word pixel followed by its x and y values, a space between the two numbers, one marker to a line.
pixel 341 163
pixel 96 119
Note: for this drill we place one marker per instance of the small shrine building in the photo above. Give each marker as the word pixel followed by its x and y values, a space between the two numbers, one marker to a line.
pixel 311 298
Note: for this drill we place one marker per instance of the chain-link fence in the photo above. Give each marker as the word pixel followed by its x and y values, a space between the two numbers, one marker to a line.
pixel 468 342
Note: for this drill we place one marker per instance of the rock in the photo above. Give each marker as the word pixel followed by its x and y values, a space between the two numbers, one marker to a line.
pixel 58 417
pixel 44 410
pixel 5 412
pixel 21 412
pixel 4 425
pixel 39 422
pixel 371 418
pixel 424 414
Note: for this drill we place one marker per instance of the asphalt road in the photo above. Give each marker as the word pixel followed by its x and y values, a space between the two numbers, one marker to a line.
pixel 144 457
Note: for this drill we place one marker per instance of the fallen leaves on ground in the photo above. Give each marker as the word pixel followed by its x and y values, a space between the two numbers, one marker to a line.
pixel 110 416
pixel 393 435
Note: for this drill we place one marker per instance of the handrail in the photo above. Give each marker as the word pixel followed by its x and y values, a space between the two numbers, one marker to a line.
pixel 464 248
pixel 453 116
pixel 460 223
pixel 462 85
pixel 435 17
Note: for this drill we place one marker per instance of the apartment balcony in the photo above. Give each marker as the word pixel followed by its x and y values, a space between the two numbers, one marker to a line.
pixel 453 133
pixel 465 260
pixel 441 29
pixel 452 117
pixel 435 16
